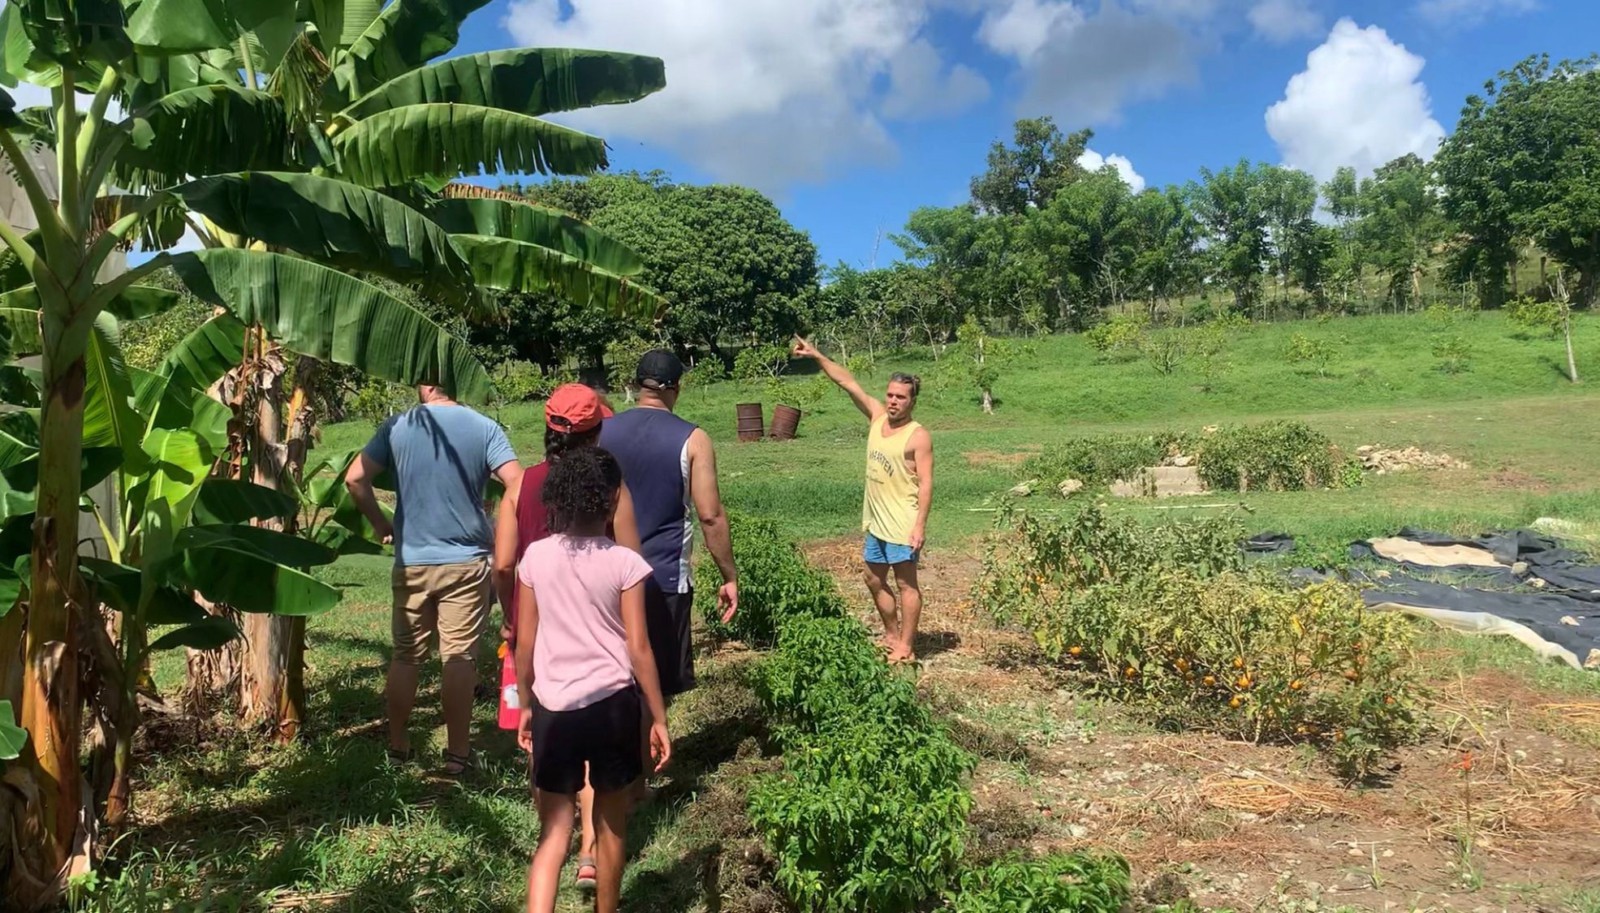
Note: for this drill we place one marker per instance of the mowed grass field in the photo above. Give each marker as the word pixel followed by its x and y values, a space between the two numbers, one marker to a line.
pixel 226 823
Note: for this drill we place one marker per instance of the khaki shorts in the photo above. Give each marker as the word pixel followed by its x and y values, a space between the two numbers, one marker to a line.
pixel 451 600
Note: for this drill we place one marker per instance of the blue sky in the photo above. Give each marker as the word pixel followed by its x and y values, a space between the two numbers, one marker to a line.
pixel 852 113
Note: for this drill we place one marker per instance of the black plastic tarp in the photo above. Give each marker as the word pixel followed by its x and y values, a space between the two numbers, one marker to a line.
pixel 1543 594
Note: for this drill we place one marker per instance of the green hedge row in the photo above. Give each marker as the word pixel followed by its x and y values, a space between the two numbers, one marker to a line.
pixel 775 583
pixel 870 810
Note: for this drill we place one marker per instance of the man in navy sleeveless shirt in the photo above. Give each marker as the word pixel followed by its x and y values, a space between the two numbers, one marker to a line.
pixel 671 469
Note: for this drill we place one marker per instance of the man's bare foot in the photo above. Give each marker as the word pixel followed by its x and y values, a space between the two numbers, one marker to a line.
pixel 901 654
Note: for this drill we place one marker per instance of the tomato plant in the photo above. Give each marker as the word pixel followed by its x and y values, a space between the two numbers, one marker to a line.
pixel 1166 618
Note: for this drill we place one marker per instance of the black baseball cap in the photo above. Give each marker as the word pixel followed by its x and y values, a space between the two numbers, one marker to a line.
pixel 659 368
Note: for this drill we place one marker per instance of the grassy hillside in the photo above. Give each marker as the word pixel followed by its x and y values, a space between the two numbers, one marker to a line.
pixel 1512 415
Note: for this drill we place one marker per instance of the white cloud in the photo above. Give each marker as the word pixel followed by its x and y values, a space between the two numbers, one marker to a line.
pixel 1283 21
pixel 1094 161
pixel 1470 12
pixel 1358 102
pixel 764 92
pixel 1085 69
pixel 918 88
pixel 1023 27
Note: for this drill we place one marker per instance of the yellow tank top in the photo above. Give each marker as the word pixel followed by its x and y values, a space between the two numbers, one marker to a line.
pixel 889 510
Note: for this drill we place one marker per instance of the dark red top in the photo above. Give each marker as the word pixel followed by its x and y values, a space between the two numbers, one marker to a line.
pixel 532 520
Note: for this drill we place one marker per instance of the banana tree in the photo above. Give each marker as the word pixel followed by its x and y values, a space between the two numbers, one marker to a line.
pixel 363 98
pixel 100 45
pixel 171 530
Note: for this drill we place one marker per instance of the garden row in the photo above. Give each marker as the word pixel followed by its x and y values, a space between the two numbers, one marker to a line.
pixel 1267 456
pixel 1168 619
pixel 870 809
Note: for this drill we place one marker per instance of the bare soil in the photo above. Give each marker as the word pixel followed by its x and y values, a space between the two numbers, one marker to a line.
pixel 1232 824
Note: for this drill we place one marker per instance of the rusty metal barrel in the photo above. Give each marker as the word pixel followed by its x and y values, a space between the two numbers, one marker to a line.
pixel 751 424
pixel 785 419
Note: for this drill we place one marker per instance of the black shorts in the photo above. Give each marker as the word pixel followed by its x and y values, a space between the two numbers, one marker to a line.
pixel 666 618
pixel 605 735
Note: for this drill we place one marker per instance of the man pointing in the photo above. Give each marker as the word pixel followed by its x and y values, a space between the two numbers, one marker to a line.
pixel 894 514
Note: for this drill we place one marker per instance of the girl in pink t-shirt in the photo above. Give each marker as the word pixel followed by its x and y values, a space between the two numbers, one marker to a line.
pixel 583 659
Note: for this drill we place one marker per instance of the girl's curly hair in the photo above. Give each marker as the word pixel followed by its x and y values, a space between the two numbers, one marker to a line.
pixel 579 489
pixel 558 444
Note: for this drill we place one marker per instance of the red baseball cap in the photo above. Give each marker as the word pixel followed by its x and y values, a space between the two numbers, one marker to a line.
pixel 575 408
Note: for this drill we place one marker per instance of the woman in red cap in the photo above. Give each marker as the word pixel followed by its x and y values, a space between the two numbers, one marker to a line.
pixel 572 417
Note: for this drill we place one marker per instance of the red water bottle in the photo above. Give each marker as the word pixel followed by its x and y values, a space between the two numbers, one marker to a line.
pixel 510 707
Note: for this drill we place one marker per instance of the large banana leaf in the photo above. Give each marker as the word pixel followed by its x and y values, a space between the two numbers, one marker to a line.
pixel 329 315
pixel 406 35
pixel 246 567
pixel 534 81
pixel 341 22
pixel 445 141
pixel 238 501
pixel 206 354
pixel 541 225
pixel 181 26
pixel 514 266
pixel 109 419
pixel 140 301
pixel 334 222
pixel 207 129
pixel 208 633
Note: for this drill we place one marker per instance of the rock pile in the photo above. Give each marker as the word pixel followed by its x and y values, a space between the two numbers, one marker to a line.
pixel 1378 460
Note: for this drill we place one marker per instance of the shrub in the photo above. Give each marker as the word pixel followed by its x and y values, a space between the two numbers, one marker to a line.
pixel 1078 882
pixel 376 400
pixel 1104 458
pixel 755 363
pixel 1271 456
pixel 1535 315
pixel 775 583
pixel 1454 353
pixel 1314 353
pixel 1121 337
pixel 1194 639
pixel 517 381
pixel 1165 351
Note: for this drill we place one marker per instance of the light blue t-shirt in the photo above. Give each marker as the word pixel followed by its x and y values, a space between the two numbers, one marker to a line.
pixel 441 457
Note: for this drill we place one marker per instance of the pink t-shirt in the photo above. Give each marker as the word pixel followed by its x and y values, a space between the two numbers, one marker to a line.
pixel 580 654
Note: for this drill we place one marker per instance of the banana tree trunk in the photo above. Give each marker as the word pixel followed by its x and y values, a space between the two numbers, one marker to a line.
pixel 1566 330
pixel 266 698
pixel 48 807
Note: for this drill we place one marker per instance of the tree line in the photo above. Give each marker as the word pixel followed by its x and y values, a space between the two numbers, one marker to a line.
pixel 1046 245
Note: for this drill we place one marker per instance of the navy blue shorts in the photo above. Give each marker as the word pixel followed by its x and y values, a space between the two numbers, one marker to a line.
pixel 877 551
pixel 604 735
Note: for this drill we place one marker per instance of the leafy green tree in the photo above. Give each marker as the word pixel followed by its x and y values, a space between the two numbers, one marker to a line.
pixel 1231 207
pixel 1087 234
pixel 1290 199
pixel 1342 194
pixel 1521 165
pixel 1165 259
pixel 1030 172
pixel 730 266
pixel 1401 225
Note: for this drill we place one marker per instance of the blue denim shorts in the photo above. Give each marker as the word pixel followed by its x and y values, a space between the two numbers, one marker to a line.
pixel 877 551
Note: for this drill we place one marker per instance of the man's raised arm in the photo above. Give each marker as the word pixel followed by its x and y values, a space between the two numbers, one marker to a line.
pixel 837 373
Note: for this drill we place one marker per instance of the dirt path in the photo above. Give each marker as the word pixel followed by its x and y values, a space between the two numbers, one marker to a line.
pixel 1247 826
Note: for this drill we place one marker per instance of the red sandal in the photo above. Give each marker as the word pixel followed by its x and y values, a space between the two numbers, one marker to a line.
pixel 588 875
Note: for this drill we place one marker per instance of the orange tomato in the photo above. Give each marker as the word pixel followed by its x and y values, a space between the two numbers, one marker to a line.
pixel 1236 702
pixel 1210 680
pixel 1296 685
